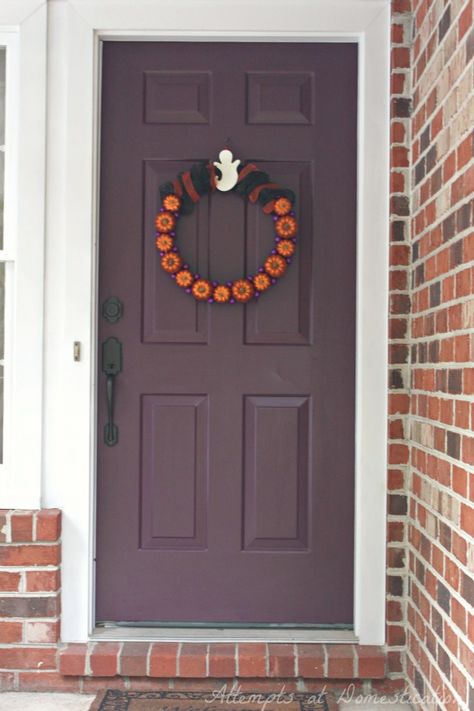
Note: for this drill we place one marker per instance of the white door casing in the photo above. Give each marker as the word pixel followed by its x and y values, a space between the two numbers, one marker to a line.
pixel 76 29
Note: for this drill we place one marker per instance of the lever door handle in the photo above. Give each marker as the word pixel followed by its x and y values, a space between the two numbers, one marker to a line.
pixel 111 366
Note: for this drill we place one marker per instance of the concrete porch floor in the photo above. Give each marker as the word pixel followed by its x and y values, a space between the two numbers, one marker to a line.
pixel 17 701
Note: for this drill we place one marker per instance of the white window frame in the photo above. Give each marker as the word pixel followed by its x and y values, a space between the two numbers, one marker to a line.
pixel 23 33
pixel 76 28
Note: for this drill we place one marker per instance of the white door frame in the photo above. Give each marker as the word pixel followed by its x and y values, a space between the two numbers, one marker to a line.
pixel 76 28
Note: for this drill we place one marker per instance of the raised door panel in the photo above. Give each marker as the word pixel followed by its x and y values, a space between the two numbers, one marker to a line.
pixel 174 471
pixel 282 97
pixel 284 315
pixel 168 315
pixel 277 472
pixel 177 97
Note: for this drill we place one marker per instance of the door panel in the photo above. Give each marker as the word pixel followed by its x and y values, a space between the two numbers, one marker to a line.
pixel 230 494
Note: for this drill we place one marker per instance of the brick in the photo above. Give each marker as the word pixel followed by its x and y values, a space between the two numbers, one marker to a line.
pixel 467 520
pixel 398 454
pixel 28 658
pixel 371 662
pixel 91 685
pixel 396 635
pixel 7 681
pixel 453 444
pixel 133 658
pixel 9 582
pixel 22 527
pixel 281 660
pixel 222 658
pixel 24 555
pixel 252 659
pixel 163 659
pixel 42 581
pixel 42 632
pixel 192 660
pixel 468 450
pixel 341 661
pixel 465 21
pixel 444 24
pixel 397 504
pixel 103 659
pixel 4 528
pixel 48 681
pixel 401 107
pixel 29 607
pixel 72 659
pixel 443 597
pixel 395 585
pixel 10 632
pixel 311 661
pixel 48 525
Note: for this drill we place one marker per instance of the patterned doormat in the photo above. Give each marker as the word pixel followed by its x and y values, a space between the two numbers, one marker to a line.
pixel 218 700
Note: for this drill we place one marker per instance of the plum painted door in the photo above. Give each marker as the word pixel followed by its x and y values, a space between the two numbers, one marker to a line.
pixel 229 496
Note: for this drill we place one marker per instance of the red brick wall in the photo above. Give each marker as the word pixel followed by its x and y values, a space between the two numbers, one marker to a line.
pixel 30 554
pixel 440 591
pixel 399 349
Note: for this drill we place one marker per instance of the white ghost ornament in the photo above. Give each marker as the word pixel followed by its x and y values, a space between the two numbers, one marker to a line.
pixel 228 169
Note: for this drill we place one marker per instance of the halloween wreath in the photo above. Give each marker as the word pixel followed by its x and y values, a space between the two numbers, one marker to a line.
pixel 179 196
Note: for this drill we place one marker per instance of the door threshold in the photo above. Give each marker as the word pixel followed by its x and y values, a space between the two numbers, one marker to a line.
pixel 117 633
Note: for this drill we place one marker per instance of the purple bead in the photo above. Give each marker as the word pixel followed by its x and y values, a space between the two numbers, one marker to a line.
pixel 173 276
pixel 277 239
pixel 232 301
pixel 196 276
pixel 210 301
pixel 214 283
pixel 274 251
pixel 257 294
pixel 185 266
pixel 173 234
pixel 188 291
pixel 261 270
pixel 274 281
pixel 288 260
pixel 229 283
pixel 274 218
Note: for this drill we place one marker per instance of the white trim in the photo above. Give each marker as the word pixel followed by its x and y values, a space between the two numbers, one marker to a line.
pixel 75 29
pixel 173 634
pixel 23 26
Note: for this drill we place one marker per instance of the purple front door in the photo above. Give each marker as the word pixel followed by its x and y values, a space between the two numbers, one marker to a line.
pixel 229 496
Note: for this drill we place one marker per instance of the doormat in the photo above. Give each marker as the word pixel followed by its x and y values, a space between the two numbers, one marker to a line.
pixel 218 700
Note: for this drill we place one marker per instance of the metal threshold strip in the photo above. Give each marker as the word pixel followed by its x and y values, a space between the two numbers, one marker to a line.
pixel 129 631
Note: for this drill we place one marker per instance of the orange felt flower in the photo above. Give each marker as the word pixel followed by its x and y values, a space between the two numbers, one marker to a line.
pixel 222 294
pixel 261 281
pixel 171 262
pixel 165 222
pixel 172 202
pixel 242 290
pixel 275 266
pixel 202 289
pixel 282 206
pixel 286 226
pixel 285 247
pixel 164 243
pixel 184 278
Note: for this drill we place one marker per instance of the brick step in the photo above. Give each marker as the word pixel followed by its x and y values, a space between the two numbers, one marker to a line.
pixel 221 660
